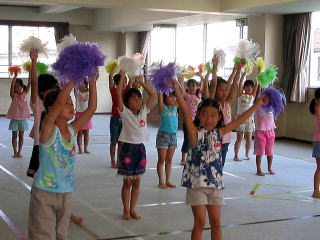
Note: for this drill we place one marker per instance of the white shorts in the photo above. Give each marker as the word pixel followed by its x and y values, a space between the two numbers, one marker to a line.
pixel 204 196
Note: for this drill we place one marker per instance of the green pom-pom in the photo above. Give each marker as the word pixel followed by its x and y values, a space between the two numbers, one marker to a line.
pixel 266 78
pixel 238 59
pixel 208 67
pixel 42 68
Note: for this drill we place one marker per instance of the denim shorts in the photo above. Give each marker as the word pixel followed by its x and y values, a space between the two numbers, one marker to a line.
pixel 115 128
pixel 18 125
pixel 166 140
pixel 316 149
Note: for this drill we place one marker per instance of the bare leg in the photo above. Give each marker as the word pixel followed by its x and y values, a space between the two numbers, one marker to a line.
pixel 248 137
pixel 134 198
pixel 269 159
pixel 316 180
pixel 168 167
pixel 183 158
pixel 237 146
pixel 214 212
pixel 21 140
pixel 199 215
pixel 14 143
pixel 258 163
pixel 86 140
pixel 113 153
pixel 79 141
pixel 125 195
pixel 161 158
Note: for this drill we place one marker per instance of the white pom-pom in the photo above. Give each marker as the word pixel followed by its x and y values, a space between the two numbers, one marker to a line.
pixel 130 65
pixel 34 43
pixel 66 41
pixel 247 49
pixel 220 53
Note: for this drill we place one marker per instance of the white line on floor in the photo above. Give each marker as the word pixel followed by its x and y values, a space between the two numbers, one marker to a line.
pixel 2 145
pixel 232 175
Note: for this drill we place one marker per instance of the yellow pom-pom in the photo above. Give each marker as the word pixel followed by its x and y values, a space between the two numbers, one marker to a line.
pixel 248 68
pixel 260 63
pixel 112 66
pixel 189 74
pixel 27 66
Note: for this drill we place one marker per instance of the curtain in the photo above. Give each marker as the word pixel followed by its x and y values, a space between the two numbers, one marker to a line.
pixel 144 40
pixel 297 28
pixel 60 30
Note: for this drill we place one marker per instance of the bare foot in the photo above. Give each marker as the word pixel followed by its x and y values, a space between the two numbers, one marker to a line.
pixel 19 155
pixel 259 173
pixel 271 172
pixel 15 155
pixel 76 219
pixel 162 185
pixel 80 152
pixel 182 163
pixel 170 185
pixel 134 215
pixel 86 151
pixel 126 216
pixel 247 158
pixel 114 165
pixel 316 194
pixel 237 159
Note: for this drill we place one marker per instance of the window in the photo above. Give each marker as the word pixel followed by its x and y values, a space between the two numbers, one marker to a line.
pixel 315 50
pixel 10 54
pixel 193 45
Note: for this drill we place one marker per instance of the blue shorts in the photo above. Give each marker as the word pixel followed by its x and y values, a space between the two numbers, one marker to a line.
pixel 316 149
pixel 166 140
pixel 18 125
pixel 115 128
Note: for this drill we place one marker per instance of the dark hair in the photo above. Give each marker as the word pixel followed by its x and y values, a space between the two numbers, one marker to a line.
pixel 128 94
pixel 116 79
pixel 164 96
pixel 48 101
pixel 45 83
pixel 194 82
pixel 208 102
pixel 248 83
pixel 312 105
pixel 20 82
pixel 220 80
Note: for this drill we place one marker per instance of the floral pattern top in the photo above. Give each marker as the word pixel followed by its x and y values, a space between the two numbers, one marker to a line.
pixel 203 167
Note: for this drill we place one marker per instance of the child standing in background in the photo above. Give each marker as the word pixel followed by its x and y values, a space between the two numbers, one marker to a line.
pixel 315 110
pixel 132 158
pixel 247 94
pixel 115 120
pixel 166 141
pixel 224 97
pixel 18 113
pixel 82 100
pixel 203 171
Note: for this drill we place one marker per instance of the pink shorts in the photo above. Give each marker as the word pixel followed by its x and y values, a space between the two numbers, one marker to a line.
pixel 88 125
pixel 263 142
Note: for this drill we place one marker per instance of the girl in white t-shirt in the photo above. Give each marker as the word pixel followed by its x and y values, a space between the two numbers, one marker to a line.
pixel 132 158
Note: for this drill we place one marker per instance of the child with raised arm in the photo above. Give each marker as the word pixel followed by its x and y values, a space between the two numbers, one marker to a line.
pixel 166 141
pixel 18 113
pixel 202 173
pixel 247 94
pixel 224 95
pixel 115 120
pixel 132 158
pixel 50 203
pixel 315 110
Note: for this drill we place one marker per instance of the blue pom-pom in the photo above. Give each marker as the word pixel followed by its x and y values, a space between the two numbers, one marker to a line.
pixel 78 62
pixel 277 100
pixel 161 75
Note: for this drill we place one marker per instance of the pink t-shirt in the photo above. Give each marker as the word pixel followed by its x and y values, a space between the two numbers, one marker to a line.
pixel 264 120
pixel 192 102
pixel 317 136
pixel 19 109
pixel 226 111
pixel 37 109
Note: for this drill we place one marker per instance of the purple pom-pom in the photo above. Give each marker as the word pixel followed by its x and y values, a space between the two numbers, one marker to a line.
pixel 78 62
pixel 161 75
pixel 277 100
